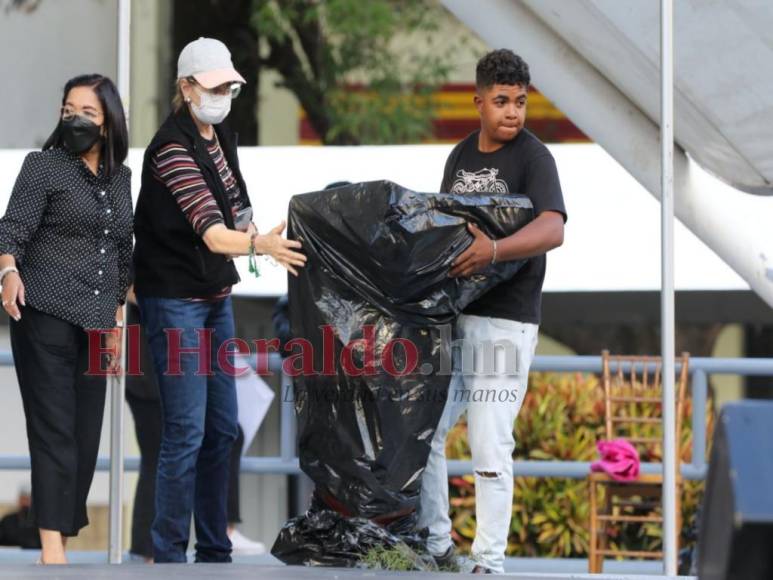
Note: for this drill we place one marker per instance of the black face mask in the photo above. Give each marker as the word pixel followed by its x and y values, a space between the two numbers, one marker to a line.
pixel 79 134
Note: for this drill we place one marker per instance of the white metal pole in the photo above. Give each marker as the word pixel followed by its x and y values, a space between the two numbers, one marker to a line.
pixel 116 462
pixel 117 383
pixel 667 285
pixel 124 52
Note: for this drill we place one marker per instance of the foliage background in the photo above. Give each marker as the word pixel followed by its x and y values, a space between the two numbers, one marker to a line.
pixel 353 65
pixel 561 419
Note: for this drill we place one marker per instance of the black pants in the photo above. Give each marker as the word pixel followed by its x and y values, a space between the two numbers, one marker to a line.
pixel 63 408
pixel 147 421
pixel 234 515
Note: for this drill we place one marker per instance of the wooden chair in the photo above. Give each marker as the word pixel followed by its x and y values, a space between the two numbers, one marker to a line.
pixel 633 410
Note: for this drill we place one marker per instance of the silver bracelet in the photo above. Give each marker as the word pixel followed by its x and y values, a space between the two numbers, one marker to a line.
pixel 494 256
pixel 7 270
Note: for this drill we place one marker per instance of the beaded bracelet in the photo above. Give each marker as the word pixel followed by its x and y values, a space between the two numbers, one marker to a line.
pixel 253 265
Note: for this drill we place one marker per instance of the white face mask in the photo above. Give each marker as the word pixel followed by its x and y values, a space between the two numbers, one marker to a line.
pixel 213 108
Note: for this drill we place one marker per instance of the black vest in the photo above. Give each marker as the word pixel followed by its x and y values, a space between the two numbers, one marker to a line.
pixel 170 259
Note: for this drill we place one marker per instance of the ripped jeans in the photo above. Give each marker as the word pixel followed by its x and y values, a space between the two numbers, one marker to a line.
pixel 492 396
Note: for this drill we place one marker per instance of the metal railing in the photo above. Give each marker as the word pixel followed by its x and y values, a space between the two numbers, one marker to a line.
pixel 286 463
pixel 701 368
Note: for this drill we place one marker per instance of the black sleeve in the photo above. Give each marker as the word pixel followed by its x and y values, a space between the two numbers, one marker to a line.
pixel 448 171
pixel 544 187
pixel 26 207
pixel 445 184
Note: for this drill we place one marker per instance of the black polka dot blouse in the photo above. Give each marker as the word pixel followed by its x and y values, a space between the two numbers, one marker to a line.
pixel 71 234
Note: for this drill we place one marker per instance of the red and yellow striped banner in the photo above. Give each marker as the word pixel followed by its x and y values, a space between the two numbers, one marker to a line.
pixel 456 117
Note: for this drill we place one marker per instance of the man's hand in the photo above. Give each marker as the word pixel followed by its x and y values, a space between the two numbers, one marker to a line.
pixel 475 258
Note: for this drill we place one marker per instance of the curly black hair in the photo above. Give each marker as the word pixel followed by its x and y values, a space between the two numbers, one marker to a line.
pixel 501 67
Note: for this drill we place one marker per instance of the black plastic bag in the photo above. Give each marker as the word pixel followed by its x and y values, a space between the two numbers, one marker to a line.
pixel 376 292
pixel 323 537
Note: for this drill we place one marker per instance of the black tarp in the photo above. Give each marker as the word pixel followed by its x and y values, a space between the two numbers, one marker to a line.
pixel 376 278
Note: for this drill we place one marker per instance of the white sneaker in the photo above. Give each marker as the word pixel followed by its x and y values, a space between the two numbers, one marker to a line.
pixel 242 545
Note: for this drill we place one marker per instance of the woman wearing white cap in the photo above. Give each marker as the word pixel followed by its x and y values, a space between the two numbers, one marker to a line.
pixel 192 217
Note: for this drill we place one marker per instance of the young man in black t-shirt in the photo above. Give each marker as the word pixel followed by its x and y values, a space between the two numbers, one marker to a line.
pixel 503 157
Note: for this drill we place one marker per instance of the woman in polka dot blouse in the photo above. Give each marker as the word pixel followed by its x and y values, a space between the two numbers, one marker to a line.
pixel 65 253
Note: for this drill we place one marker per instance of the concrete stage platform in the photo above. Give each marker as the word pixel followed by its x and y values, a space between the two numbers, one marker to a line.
pixel 253 571
pixel 20 565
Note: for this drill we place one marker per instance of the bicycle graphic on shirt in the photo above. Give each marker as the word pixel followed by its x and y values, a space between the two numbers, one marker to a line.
pixel 482 181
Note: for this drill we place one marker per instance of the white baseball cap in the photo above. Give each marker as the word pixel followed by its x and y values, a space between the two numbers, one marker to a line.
pixel 209 62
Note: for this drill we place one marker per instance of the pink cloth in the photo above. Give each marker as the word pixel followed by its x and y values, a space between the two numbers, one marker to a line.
pixel 619 460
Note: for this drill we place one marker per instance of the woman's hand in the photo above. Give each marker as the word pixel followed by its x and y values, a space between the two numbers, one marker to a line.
pixel 114 342
pixel 280 249
pixel 13 295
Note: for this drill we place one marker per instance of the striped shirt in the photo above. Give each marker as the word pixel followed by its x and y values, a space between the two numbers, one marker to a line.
pixel 178 171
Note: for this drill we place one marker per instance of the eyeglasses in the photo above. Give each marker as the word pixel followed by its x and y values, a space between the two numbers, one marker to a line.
pixel 234 89
pixel 68 113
